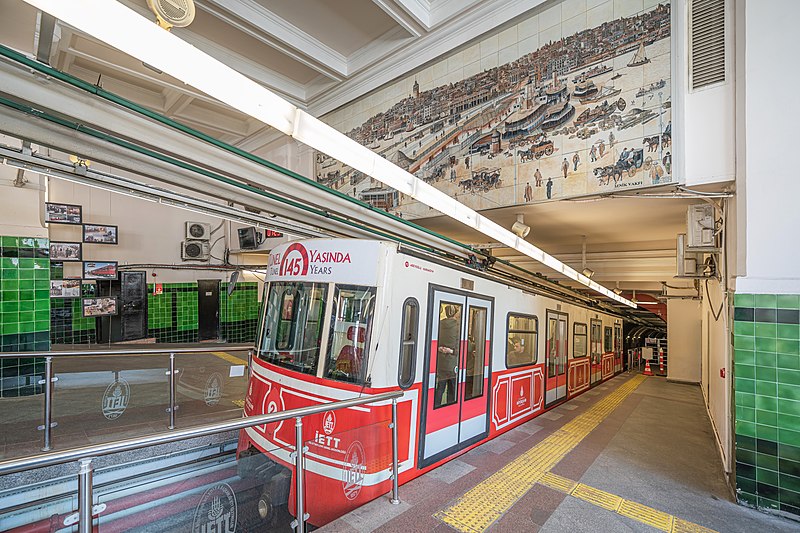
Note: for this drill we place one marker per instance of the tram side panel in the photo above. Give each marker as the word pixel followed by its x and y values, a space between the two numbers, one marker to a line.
pixel 443 413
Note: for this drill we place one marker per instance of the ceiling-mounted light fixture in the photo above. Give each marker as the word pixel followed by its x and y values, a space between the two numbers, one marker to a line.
pixel 519 227
pixel 588 272
pixel 172 13
pixel 124 29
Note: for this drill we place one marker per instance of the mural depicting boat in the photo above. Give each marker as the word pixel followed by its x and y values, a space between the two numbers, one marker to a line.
pixel 557 115
pixel 639 58
pixel 603 94
pixel 592 72
pixel 585 89
pixel 651 88
pixel 593 115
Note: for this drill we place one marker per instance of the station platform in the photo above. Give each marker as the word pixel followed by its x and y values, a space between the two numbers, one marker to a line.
pixel 634 454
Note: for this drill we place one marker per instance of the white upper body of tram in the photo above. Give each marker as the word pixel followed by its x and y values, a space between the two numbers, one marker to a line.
pixel 475 357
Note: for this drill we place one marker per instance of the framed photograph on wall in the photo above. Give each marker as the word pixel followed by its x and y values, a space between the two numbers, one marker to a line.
pixel 99 234
pixel 103 306
pixel 62 213
pixel 99 270
pixel 65 288
pixel 65 251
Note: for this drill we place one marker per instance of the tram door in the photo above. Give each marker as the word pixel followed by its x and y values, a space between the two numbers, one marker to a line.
pixel 618 347
pixel 596 350
pixel 456 410
pixel 556 363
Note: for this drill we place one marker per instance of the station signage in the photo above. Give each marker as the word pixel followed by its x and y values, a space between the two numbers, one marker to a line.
pixel 340 261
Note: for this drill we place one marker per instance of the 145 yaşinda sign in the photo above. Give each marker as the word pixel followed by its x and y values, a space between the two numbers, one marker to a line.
pixel 326 260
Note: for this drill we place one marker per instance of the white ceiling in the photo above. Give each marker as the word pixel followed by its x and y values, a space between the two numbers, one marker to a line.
pixel 322 54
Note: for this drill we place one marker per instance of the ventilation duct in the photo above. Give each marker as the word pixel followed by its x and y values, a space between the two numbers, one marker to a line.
pixel 707 43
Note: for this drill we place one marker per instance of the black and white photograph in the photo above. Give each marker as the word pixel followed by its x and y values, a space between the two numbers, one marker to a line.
pixel 99 234
pixel 104 306
pixel 65 288
pixel 62 213
pixel 99 270
pixel 65 251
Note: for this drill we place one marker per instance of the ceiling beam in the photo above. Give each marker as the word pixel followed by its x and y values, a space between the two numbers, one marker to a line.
pixel 378 50
pixel 285 34
pixel 175 103
pixel 402 17
pixel 45 36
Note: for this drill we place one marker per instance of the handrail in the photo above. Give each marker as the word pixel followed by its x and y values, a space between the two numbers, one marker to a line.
pixel 85 452
pixel 144 351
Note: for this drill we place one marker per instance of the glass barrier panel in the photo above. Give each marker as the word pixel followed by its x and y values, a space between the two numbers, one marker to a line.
pixel 348 462
pixel 204 490
pixel 21 406
pixel 103 398
pixel 211 387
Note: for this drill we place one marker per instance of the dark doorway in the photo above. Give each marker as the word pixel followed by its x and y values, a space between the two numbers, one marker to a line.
pixel 208 309
pixel 133 305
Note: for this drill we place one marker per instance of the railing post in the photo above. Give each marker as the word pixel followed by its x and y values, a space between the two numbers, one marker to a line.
pixel 85 496
pixel 172 406
pixel 48 403
pixel 395 481
pixel 298 489
pixel 249 364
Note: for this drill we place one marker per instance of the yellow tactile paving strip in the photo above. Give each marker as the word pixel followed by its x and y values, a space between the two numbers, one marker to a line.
pixel 636 511
pixel 230 358
pixel 486 502
pixel 482 505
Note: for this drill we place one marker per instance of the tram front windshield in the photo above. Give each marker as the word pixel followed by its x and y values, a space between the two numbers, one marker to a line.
pixel 293 326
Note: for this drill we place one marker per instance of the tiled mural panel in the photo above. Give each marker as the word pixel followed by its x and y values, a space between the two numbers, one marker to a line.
pixel 574 99
pixel 767 398
pixel 24 311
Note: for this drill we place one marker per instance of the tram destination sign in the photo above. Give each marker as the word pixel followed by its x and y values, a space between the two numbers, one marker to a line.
pixel 341 261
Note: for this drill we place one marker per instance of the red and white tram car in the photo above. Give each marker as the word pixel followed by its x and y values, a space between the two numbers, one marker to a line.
pixel 475 357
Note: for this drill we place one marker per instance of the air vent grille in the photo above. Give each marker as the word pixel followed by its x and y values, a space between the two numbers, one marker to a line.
pixel 707 58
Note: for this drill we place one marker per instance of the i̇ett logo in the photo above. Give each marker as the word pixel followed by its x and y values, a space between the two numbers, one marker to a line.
pixel 294 261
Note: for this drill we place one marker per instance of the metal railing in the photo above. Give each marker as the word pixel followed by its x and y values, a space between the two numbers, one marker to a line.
pixel 50 380
pixel 86 454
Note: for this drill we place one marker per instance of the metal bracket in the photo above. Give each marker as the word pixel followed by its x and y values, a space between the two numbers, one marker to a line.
pixel 52 425
pixel 72 519
pixel 44 381
pixel 168 410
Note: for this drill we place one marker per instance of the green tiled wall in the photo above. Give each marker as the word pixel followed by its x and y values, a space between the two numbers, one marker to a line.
pixel 172 315
pixel 24 311
pixel 239 312
pixel 766 332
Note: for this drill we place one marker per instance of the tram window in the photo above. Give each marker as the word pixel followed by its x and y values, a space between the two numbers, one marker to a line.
pixel 476 352
pixel 408 343
pixel 578 340
pixel 595 341
pixel 351 325
pixel 608 345
pixel 448 354
pixel 292 329
pixel 522 333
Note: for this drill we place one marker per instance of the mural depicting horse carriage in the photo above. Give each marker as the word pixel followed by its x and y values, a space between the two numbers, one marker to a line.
pixel 542 148
pixel 483 180
pixel 629 162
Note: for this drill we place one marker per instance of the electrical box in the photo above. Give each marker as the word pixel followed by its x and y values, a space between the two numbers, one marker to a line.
pixel 700 226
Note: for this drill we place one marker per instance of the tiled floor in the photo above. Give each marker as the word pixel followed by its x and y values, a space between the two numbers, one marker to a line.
pixel 656 449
